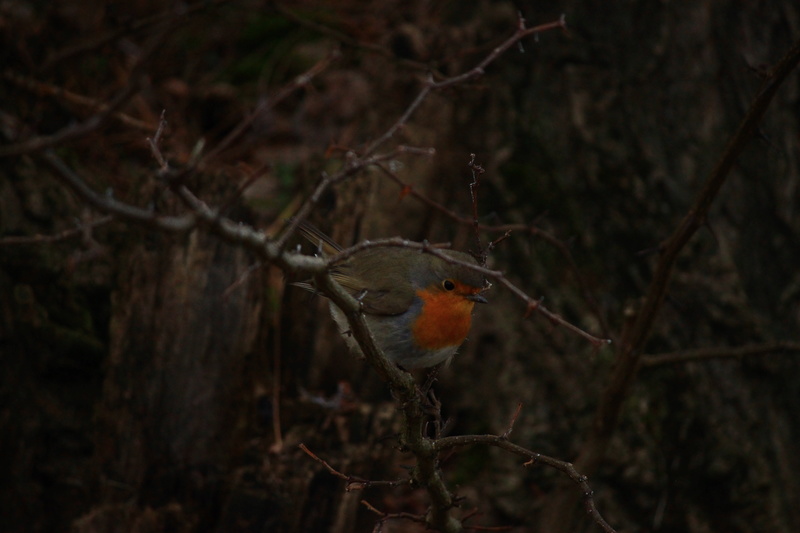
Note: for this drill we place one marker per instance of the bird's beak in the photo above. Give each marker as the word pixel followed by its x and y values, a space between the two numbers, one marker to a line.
pixel 477 298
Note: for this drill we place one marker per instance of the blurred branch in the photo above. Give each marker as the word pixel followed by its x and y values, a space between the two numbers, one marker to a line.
pixel 79 231
pixel 133 27
pixel 354 43
pixel 268 103
pixel 630 348
pixel 97 120
pixel 72 132
pixel 705 354
pixel 392 516
pixel 74 98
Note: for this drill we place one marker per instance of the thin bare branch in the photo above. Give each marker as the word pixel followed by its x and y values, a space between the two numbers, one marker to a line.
pixel 154 141
pixel 107 204
pixel 353 482
pixel 724 352
pixel 71 97
pixel 268 103
pixel 533 458
pixel 507 433
pixel 354 43
pixel 630 348
pixel 94 41
pixel 420 519
pixel 352 166
pixel 99 119
pixel 475 72
pixel 58 237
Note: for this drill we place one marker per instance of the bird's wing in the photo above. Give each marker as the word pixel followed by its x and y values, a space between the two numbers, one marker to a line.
pixel 377 298
pixel 386 294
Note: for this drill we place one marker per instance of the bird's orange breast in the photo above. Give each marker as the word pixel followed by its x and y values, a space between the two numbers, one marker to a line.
pixel 444 321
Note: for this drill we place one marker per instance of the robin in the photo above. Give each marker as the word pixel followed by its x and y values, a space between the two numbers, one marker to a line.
pixel 417 306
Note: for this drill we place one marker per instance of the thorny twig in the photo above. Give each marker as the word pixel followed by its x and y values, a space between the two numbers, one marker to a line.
pixel 478 70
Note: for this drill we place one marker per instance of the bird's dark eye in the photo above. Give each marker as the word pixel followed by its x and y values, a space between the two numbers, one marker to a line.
pixel 448 285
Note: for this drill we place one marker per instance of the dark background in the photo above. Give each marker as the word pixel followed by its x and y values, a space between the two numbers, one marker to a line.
pixel 141 371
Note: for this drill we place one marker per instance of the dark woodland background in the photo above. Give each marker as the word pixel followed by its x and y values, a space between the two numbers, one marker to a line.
pixel 139 382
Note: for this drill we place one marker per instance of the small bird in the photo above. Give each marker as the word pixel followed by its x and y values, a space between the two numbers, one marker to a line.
pixel 417 306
